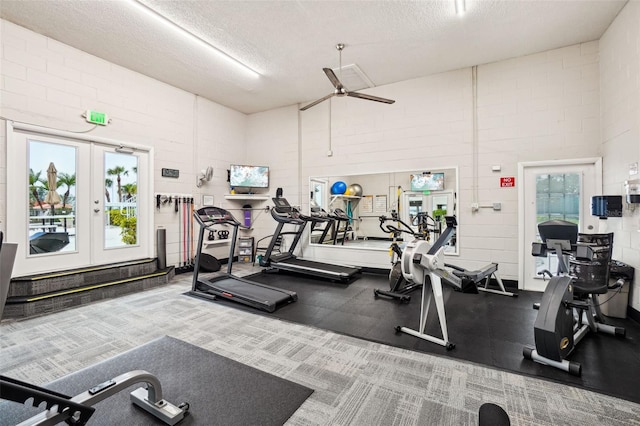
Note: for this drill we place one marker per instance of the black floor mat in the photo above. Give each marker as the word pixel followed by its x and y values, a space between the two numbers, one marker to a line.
pixel 220 391
pixel 488 329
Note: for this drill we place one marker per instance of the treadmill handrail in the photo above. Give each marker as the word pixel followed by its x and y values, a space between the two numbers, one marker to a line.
pixel 286 217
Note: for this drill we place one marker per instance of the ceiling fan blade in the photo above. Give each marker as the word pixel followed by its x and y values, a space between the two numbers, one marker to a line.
pixel 304 108
pixel 370 97
pixel 332 76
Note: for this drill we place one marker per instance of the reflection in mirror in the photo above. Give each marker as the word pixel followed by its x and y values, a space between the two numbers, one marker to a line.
pixel 356 203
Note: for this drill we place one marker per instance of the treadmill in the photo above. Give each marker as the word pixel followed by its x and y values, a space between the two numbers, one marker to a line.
pixel 285 214
pixel 229 286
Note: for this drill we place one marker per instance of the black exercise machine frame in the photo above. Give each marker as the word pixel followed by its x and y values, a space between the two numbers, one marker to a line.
pixel 570 308
pixel 77 410
pixel 285 214
pixel 228 286
pixel 458 276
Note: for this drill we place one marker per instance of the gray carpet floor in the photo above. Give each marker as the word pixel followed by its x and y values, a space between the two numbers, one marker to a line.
pixel 355 382
pixel 241 396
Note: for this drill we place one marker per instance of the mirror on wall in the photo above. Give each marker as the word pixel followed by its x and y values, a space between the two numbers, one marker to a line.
pixel 356 203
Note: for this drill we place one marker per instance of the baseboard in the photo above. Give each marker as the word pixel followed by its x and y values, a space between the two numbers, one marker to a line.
pixel 633 314
pixel 380 271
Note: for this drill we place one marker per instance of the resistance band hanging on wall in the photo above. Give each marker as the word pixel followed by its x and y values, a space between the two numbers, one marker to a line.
pixel 185 233
pixel 183 205
pixel 192 234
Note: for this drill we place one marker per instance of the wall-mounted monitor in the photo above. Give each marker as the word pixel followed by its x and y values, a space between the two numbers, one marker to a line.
pixel 241 176
pixel 427 182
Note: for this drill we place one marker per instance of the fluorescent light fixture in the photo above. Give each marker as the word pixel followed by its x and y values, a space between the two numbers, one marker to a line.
pixel 230 59
pixel 460 6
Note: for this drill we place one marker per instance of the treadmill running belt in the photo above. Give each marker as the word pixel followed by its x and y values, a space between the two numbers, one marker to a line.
pixel 324 270
pixel 247 292
pixel 310 264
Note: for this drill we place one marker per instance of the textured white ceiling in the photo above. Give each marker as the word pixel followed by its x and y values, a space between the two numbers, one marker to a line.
pixel 289 42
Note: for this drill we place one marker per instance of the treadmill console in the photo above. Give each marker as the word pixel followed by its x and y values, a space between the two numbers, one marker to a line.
pixel 282 205
pixel 318 212
pixel 284 209
pixel 340 214
pixel 214 215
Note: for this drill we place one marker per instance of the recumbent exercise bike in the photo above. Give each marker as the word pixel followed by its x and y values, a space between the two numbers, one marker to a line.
pixel 570 307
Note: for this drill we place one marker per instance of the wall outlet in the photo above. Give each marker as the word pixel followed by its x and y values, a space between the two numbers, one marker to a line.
pixel 497 206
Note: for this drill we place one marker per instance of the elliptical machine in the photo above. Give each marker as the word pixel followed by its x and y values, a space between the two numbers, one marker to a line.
pixel 570 307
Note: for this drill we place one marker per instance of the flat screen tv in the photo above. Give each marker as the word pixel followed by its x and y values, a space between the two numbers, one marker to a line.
pixel 241 176
pixel 427 182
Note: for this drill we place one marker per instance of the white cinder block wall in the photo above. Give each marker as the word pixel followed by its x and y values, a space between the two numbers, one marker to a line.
pixel 272 140
pixel 539 107
pixel 47 83
pixel 620 105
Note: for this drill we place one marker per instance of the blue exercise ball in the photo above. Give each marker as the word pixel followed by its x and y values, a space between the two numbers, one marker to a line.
pixel 338 188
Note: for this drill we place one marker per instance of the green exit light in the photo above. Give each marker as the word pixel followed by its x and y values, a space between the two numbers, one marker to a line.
pixel 96 117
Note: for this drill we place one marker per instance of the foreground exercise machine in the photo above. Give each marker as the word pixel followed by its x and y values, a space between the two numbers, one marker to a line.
pixel 228 286
pixel 285 214
pixel 570 307
pixel 424 264
pixel 78 409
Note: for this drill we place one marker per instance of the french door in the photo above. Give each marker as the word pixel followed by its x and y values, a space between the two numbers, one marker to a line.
pixel 75 203
pixel 555 190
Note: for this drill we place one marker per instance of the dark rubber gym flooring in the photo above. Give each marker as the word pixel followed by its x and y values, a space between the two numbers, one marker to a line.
pixel 486 328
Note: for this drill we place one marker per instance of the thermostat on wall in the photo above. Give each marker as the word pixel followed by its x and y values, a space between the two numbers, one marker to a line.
pixel 172 173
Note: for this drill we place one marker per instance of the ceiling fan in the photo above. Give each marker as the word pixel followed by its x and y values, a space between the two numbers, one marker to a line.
pixel 340 89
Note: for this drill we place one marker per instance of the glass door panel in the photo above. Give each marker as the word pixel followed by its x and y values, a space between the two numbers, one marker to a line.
pixel 47 185
pixel 561 192
pixel 52 198
pixel 557 198
pixel 121 205
pixel 121 200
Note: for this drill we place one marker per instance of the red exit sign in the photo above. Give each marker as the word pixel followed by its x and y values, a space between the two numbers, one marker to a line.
pixel 507 182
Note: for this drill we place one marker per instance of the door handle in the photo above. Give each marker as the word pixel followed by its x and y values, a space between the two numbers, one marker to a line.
pixel 96 210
